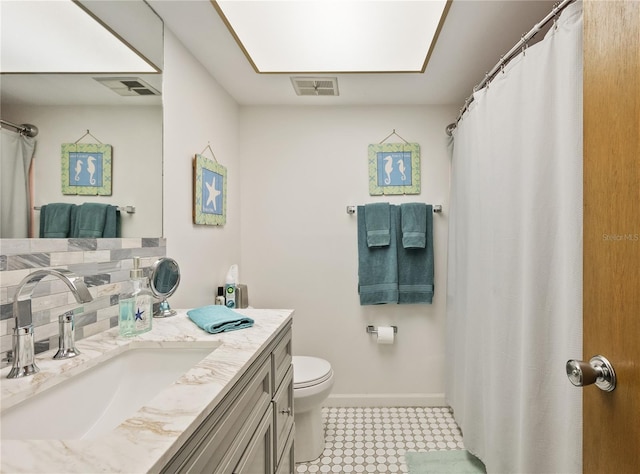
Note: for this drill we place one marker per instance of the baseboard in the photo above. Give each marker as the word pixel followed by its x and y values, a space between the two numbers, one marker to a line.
pixel 386 400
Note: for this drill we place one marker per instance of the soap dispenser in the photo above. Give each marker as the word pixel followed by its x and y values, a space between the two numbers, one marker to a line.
pixel 136 313
pixel 230 286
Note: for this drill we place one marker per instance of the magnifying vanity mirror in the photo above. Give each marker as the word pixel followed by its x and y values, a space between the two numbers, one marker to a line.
pixel 164 280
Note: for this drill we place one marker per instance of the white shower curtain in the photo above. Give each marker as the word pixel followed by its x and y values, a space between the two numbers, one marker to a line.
pixel 514 296
pixel 17 152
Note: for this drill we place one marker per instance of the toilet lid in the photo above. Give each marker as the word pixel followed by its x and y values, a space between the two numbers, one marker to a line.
pixel 310 371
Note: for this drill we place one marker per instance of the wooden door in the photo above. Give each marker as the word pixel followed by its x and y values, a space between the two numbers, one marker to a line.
pixel 611 314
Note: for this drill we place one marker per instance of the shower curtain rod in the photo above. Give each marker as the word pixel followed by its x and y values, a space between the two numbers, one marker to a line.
pixel 25 129
pixel 520 46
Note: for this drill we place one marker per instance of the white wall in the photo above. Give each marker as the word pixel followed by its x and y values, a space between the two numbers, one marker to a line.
pixel 300 168
pixel 197 112
pixel 135 133
pixel 292 172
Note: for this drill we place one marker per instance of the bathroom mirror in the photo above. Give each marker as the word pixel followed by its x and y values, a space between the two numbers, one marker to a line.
pixel 164 281
pixel 63 106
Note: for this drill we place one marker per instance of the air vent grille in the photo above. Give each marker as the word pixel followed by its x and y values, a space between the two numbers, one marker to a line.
pixel 127 86
pixel 315 86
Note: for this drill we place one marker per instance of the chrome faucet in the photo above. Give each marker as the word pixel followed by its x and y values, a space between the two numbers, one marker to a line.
pixel 23 342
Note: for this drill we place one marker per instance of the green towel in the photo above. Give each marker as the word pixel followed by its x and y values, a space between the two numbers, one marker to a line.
pixel 377 266
pixel 56 219
pixel 443 462
pixel 415 268
pixel 94 220
pixel 378 222
pixel 414 224
pixel 218 318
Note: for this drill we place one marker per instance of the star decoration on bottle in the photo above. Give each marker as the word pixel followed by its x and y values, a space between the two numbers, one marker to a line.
pixel 139 314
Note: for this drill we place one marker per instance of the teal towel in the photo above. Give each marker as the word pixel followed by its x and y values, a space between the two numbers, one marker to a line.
pixel 218 318
pixel 377 221
pixel 415 268
pixel 94 220
pixel 56 219
pixel 414 224
pixel 377 266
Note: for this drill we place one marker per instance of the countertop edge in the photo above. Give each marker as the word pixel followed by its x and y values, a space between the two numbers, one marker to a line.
pixel 146 441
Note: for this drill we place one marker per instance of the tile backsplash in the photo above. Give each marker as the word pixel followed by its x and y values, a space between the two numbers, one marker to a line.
pixel 104 265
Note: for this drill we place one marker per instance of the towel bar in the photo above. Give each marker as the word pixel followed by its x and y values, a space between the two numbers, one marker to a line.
pixel 127 209
pixel 437 208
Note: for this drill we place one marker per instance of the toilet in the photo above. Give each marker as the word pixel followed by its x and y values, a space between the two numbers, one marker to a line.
pixel 312 383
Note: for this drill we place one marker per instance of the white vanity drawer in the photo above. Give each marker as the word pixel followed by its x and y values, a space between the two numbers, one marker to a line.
pixel 283 413
pixel 281 358
pixel 286 464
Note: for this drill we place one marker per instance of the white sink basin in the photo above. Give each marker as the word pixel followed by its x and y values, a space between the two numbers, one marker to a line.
pixel 97 400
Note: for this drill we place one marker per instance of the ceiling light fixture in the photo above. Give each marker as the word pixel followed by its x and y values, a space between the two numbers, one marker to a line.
pixel 60 37
pixel 335 36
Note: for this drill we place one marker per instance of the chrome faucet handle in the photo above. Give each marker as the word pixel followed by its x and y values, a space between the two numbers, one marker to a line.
pixel 66 336
pixel 23 355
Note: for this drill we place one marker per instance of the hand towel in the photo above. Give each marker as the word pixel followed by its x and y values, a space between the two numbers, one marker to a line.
pixel 95 220
pixel 55 220
pixel 415 268
pixel 218 318
pixel 112 223
pixel 413 216
pixel 377 266
pixel 377 221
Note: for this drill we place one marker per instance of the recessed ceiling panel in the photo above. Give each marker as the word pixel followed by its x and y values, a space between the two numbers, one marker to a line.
pixel 326 36
pixel 59 37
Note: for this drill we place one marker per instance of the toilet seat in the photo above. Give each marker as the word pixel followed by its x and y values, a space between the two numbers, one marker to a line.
pixel 310 371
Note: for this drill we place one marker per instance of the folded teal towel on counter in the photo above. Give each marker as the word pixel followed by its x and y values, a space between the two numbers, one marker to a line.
pixel 413 216
pixel 56 220
pixel 218 318
pixel 377 222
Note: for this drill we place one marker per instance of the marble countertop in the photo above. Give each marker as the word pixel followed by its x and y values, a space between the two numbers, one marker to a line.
pixel 146 441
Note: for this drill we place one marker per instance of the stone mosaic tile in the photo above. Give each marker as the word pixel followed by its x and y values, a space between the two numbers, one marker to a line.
pixel 375 439
pixel 82 244
pixel 14 246
pixel 48 245
pixel 103 263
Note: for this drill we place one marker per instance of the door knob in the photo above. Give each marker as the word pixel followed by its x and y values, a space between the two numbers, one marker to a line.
pixel 598 370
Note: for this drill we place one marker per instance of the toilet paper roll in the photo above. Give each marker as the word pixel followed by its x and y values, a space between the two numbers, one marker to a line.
pixel 385 335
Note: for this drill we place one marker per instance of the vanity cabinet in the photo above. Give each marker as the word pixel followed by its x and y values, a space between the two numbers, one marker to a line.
pixel 251 430
pixel 282 401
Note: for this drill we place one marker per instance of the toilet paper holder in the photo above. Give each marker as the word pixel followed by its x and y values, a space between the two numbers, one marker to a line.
pixel 374 330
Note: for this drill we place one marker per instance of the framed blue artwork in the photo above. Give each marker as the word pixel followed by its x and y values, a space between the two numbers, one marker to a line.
pixel 86 169
pixel 209 192
pixel 394 168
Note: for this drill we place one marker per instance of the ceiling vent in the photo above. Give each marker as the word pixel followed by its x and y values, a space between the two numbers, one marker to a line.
pixel 315 86
pixel 127 86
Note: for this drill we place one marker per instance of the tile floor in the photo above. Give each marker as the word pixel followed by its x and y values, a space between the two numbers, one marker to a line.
pixel 374 440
